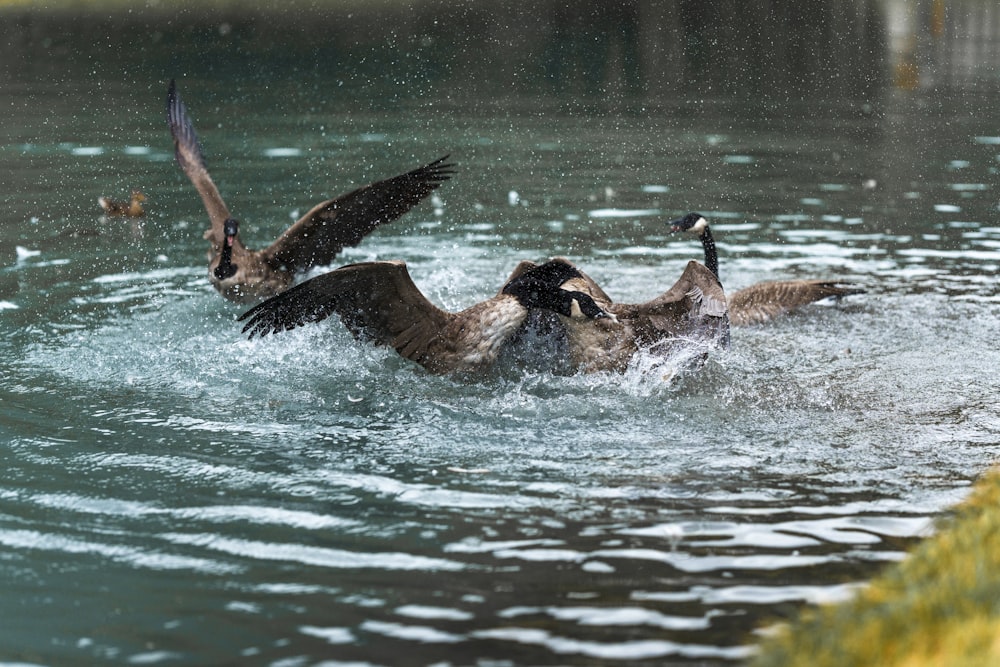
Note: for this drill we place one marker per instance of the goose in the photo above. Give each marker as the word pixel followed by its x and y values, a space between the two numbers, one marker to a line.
pixel 693 312
pixel 767 300
pixel 132 209
pixel 245 276
pixel 379 302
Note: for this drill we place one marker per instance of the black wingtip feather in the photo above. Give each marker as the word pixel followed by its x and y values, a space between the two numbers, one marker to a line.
pixel 254 325
pixel 290 309
pixel 437 171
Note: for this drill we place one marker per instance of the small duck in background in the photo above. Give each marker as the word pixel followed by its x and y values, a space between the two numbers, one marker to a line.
pixel 133 209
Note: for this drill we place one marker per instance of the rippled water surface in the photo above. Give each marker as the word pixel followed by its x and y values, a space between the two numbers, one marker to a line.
pixel 175 493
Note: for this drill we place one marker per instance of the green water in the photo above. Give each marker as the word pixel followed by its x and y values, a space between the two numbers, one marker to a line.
pixel 175 494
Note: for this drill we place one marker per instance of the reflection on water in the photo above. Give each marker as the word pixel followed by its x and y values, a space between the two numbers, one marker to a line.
pixel 175 493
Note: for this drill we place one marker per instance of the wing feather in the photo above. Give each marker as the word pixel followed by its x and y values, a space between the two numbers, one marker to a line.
pixel 765 301
pixel 319 236
pixel 187 150
pixel 377 301
pixel 696 298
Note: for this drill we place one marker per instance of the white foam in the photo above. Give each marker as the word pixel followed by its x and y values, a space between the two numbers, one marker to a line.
pixel 87 150
pixel 623 212
pixel 25 253
pixel 282 152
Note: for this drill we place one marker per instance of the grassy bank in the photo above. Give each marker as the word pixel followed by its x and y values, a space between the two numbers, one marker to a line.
pixel 940 606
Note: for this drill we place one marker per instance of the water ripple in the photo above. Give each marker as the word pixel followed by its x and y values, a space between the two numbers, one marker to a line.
pixel 416 633
pixel 691 563
pixel 628 650
pixel 137 557
pixel 323 557
pixel 608 616
pixel 111 507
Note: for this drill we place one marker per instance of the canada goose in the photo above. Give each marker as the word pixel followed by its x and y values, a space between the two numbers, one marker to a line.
pixel 763 301
pixel 132 209
pixel 378 302
pixel 692 312
pixel 244 275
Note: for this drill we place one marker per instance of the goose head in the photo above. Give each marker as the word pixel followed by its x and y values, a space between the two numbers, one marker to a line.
pixel 571 304
pixel 541 287
pixel 578 306
pixel 226 268
pixel 694 223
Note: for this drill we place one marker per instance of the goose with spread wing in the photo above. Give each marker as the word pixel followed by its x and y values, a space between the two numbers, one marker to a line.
pixel 379 302
pixel 763 301
pixel 243 275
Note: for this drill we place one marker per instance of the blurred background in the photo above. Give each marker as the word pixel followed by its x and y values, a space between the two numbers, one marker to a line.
pixel 175 494
pixel 629 50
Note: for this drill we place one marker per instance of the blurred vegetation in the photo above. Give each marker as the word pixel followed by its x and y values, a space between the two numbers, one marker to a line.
pixel 940 606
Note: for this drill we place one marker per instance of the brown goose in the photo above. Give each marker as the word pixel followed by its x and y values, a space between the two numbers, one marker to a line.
pixel 763 301
pixel 132 209
pixel 692 312
pixel 378 302
pixel 245 275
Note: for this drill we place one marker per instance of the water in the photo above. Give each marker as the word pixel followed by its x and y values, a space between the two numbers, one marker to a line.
pixel 173 493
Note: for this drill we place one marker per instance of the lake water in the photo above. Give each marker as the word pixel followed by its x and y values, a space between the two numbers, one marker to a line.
pixel 173 493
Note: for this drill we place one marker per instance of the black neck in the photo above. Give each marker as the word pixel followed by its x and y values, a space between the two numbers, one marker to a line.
pixel 560 301
pixel 225 268
pixel 711 257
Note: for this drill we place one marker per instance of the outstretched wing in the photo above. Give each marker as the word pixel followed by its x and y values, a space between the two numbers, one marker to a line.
pixel 765 301
pixel 187 150
pixel 694 306
pixel 377 301
pixel 319 236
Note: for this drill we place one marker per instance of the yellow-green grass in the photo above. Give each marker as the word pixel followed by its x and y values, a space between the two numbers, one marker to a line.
pixel 940 606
